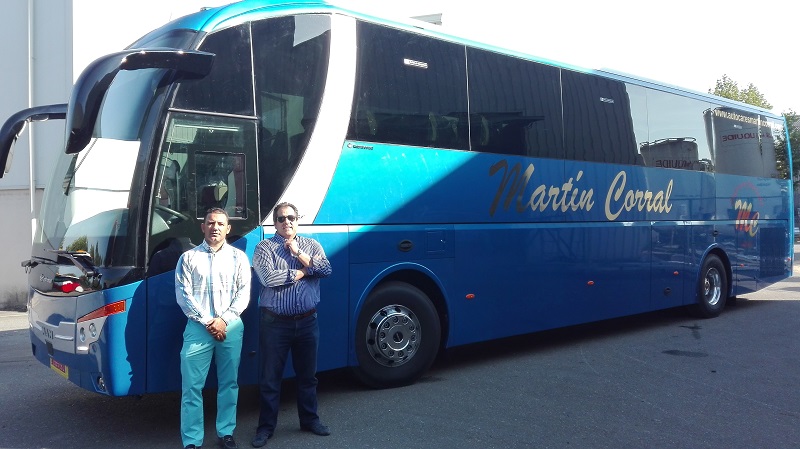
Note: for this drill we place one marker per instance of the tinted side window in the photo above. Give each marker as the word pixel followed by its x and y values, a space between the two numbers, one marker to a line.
pixel 598 125
pixel 515 106
pixel 677 127
pixel 410 90
pixel 291 65
pixel 742 142
pixel 229 86
pixel 638 103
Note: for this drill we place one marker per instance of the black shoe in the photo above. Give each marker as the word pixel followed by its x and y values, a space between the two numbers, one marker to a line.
pixel 228 442
pixel 259 440
pixel 317 428
pixel 191 446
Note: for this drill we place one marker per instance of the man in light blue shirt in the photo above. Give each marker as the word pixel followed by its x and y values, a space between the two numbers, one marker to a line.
pixel 212 286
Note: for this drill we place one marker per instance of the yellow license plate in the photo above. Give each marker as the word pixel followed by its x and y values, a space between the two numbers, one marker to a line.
pixel 60 368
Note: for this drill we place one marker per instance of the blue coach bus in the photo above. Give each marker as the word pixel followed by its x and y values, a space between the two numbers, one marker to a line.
pixel 462 192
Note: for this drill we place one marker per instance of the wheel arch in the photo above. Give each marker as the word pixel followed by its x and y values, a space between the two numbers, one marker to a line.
pixel 418 276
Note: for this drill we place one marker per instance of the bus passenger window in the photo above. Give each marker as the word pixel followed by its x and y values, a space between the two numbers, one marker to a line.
pixel 288 99
pixel 411 89
pixel 515 106
pixel 678 133
pixel 598 123
pixel 743 142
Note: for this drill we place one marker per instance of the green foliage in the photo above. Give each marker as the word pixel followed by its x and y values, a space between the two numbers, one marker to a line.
pixel 79 244
pixel 793 128
pixel 728 88
pixel 781 146
pixel 751 95
pixel 793 122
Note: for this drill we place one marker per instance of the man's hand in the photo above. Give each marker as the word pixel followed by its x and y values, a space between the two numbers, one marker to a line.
pixel 217 328
pixel 292 246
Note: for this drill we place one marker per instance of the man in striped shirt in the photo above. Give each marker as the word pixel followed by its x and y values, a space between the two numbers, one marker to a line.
pixel 212 286
pixel 289 267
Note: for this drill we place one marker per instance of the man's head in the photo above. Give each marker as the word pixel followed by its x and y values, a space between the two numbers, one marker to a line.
pixel 285 218
pixel 215 227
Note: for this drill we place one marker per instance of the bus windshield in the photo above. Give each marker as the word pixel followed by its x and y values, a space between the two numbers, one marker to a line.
pixel 87 206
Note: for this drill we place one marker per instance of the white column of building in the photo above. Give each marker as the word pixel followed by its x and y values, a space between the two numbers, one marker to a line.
pixel 31 167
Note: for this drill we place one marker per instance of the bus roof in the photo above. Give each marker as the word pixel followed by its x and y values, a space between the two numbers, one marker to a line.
pixel 211 19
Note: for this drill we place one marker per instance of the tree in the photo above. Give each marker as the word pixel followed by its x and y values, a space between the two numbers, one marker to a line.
pixel 751 95
pixel 729 88
pixel 793 128
pixel 726 88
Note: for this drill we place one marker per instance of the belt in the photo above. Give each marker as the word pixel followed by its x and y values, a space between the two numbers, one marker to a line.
pixel 290 317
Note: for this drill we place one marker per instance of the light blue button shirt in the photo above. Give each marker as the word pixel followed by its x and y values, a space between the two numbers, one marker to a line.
pixel 212 284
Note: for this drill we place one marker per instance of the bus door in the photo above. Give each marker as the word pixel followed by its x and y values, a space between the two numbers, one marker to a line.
pixel 204 162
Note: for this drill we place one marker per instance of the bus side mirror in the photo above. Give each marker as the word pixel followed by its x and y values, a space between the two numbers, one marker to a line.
pixel 15 124
pixel 92 84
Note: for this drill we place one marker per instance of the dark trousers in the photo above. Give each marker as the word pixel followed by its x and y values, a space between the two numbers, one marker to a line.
pixel 278 337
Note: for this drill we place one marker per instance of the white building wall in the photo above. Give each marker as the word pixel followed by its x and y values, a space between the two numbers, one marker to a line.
pixel 39 68
pixel 36 68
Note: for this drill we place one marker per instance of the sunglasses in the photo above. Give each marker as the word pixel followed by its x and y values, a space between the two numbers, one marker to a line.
pixel 291 218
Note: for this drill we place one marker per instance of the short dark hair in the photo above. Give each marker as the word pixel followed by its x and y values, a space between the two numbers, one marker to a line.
pixel 217 210
pixel 281 206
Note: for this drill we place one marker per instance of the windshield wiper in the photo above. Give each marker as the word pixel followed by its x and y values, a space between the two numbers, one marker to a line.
pixel 80 259
pixel 35 260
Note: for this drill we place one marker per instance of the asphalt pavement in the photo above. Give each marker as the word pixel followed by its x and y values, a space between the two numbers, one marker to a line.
pixel 658 380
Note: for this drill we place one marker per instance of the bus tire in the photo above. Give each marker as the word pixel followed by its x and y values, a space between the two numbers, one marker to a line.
pixel 712 289
pixel 397 336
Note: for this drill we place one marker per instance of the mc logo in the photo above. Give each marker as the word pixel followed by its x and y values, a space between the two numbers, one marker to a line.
pixel 746 219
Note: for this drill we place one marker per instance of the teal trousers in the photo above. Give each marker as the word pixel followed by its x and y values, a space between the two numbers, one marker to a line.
pixel 198 348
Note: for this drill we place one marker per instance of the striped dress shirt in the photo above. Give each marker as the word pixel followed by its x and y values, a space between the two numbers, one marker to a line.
pixel 212 284
pixel 276 269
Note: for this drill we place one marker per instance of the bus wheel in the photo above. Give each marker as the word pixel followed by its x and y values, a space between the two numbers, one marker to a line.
pixel 712 289
pixel 397 336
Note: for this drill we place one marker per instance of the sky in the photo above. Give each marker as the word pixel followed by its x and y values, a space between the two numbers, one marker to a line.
pixel 685 43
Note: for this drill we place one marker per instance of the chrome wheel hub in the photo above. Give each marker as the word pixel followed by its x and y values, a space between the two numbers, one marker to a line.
pixel 712 288
pixel 393 335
